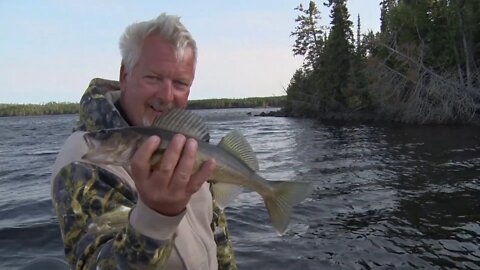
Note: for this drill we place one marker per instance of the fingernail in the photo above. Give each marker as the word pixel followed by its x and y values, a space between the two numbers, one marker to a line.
pixel 155 139
pixel 179 138
pixel 192 143
pixel 213 162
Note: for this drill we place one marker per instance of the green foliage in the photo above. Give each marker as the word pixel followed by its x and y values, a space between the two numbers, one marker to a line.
pixel 431 52
pixel 385 7
pixel 424 48
pixel 321 85
pixel 301 95
pixel 309 40
pixel 338 54
pixel 446 32
pixel 38 109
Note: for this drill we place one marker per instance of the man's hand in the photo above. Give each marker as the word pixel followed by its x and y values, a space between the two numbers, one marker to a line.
pixel 168 186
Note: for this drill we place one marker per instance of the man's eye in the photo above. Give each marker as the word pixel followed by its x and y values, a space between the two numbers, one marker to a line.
pixel 152 78
pixel 182 84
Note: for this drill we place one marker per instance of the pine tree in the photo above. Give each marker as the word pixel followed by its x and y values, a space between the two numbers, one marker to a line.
pixel 385 7
pixel 338 54
pixel 359 38
pixel 308 42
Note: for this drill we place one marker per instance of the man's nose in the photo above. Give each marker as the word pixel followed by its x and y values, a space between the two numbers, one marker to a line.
pixel 165 91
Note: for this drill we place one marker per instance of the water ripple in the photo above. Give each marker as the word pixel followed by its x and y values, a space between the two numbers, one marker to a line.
pixel 385 196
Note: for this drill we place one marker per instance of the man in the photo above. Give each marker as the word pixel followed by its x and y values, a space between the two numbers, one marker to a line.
pixel 143 217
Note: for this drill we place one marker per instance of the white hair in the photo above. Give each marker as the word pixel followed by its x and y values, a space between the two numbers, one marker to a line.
pixel 168 27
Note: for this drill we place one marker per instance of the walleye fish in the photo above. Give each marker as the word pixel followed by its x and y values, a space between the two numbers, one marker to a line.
pixel 236 167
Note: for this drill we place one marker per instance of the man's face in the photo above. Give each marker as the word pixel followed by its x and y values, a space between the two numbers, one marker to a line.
pixel 157 83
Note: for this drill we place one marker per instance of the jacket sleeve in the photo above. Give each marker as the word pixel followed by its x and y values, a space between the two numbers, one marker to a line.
pixel 225 256
pixel 93 207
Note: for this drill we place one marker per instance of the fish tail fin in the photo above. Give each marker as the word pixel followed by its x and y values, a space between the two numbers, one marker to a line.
pixel 283 197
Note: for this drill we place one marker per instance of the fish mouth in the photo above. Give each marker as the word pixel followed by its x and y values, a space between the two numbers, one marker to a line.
pixel 93 145
pixel 91 142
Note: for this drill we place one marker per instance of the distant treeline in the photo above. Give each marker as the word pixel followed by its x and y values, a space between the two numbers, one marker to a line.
pixel 38 109
pixel 253 102
pixel 73 108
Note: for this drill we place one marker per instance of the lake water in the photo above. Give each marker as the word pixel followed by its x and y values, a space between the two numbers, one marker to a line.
pixel 385 196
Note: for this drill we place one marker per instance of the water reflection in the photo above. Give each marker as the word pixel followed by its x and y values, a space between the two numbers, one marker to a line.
pixel 385 196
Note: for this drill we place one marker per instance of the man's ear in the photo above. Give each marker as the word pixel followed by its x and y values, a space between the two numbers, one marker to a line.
pixel 123 75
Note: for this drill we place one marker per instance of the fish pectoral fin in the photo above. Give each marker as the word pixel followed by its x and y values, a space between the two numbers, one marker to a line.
pixel 224 193
pixel 280 201
pixel 235 144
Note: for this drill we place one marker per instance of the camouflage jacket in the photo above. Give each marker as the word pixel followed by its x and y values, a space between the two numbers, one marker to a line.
pixel 93 204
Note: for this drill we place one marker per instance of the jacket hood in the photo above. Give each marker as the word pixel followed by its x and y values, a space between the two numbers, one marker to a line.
pixel 97 107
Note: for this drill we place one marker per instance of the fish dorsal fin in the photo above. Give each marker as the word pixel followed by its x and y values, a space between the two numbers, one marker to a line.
pixel 180 121
pixel 237 145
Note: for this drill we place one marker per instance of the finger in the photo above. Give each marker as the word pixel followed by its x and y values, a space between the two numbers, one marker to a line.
pixel 140 161
pixel 170 158
pixel 201 176
pixel 184 168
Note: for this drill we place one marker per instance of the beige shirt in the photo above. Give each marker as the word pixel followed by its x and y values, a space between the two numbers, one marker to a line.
pixel 195 247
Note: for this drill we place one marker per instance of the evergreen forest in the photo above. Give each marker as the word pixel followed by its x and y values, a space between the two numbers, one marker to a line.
pixel 422 67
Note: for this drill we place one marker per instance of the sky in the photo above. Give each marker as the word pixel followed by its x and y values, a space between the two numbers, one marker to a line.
pixel 51 49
